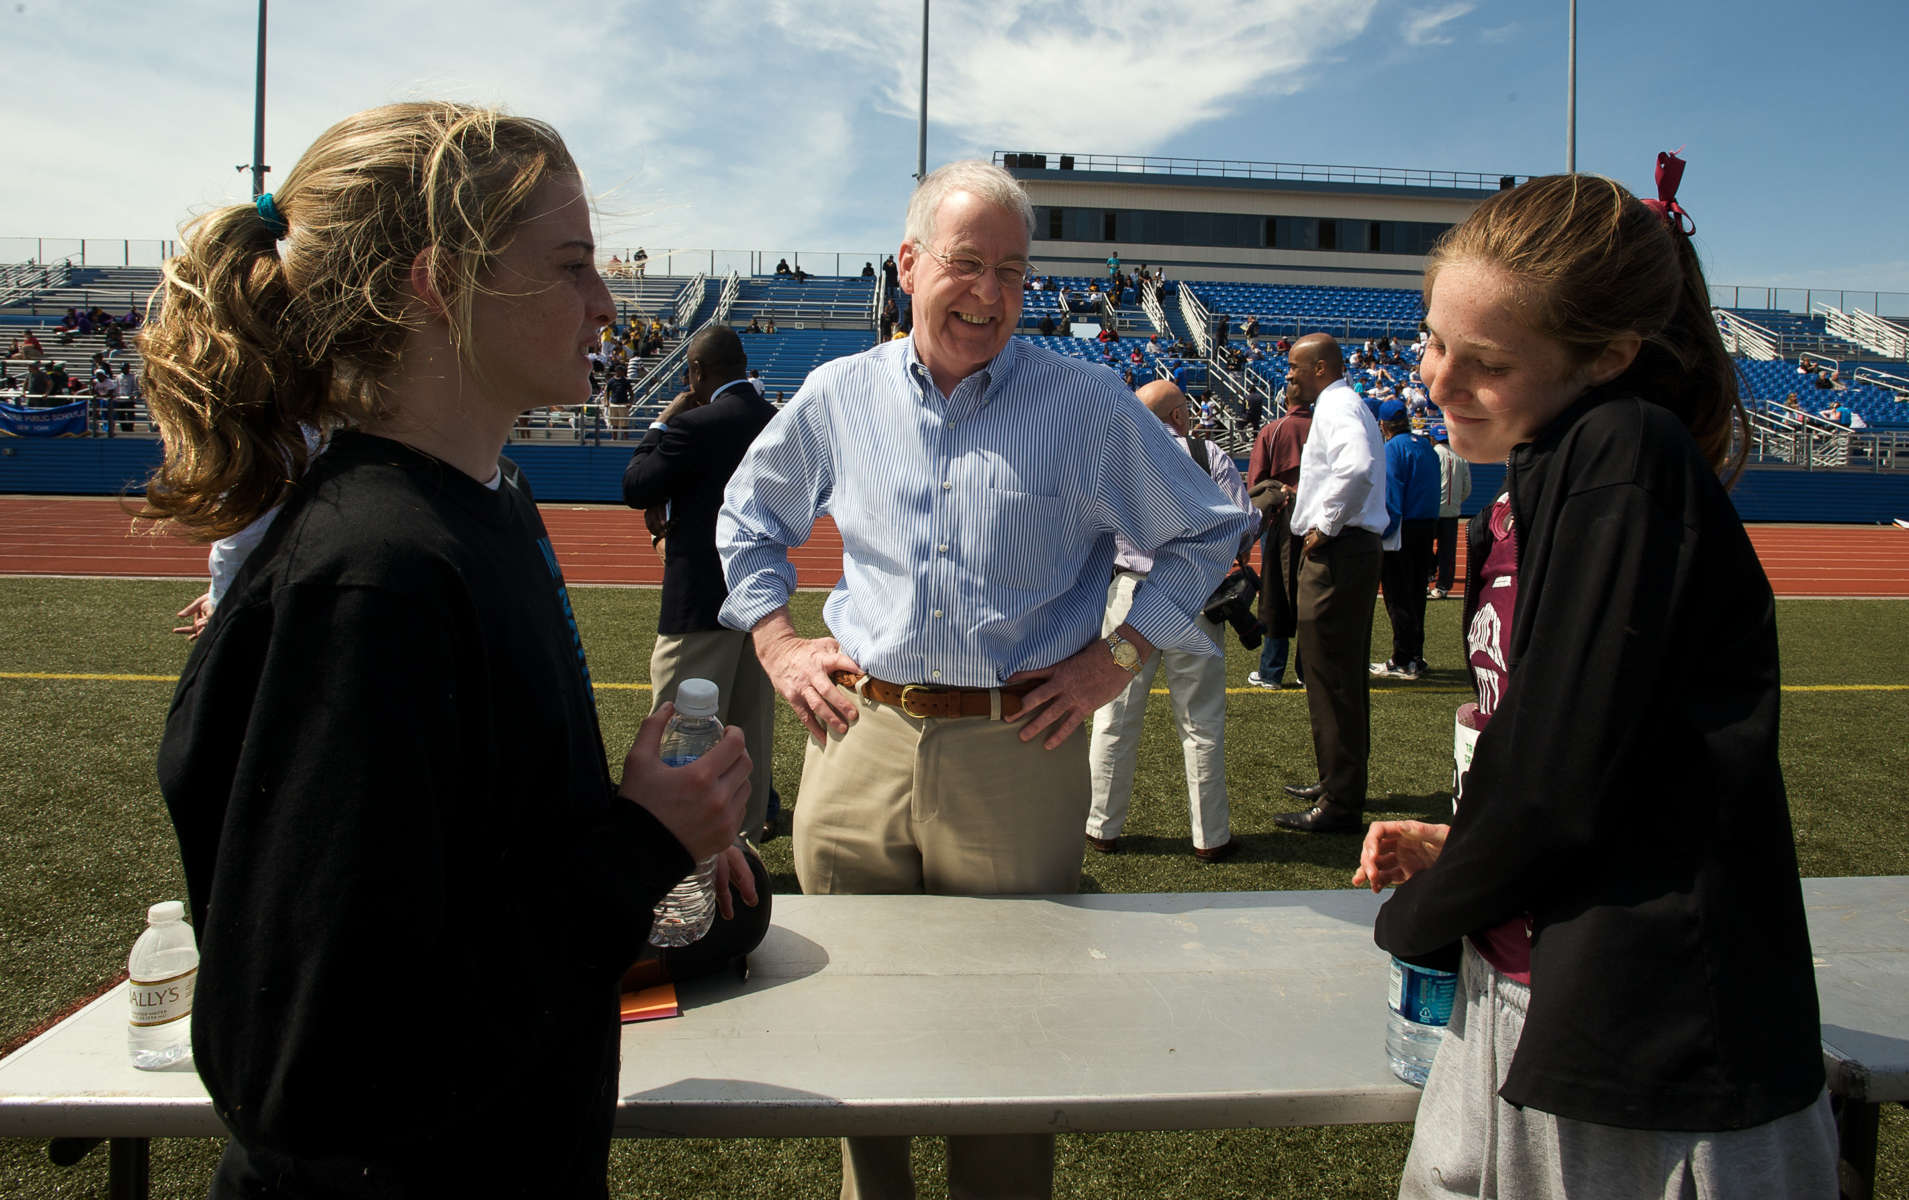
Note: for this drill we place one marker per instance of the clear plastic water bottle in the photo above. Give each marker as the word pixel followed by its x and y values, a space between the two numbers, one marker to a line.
pixel 1418 1007
pixel 685 914
pixel 164 967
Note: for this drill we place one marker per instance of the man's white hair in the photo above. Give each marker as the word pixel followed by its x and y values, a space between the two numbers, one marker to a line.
pixel 985 181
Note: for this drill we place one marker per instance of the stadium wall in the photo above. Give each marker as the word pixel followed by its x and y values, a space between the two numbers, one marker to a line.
pixel 572 474
pixel 1121 193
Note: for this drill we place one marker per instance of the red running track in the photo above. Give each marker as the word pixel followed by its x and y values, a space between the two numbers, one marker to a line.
pixel 606 544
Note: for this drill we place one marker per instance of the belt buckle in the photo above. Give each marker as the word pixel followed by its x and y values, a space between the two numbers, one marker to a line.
pixel 906 691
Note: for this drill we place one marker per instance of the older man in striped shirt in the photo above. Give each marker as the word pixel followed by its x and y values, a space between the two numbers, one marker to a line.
pixel 978 482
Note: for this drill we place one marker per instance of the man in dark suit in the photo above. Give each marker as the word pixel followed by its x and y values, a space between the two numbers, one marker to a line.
pixel 684 462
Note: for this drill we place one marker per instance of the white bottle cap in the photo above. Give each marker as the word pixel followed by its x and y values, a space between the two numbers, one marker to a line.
pixel 166 910
pixel 696 698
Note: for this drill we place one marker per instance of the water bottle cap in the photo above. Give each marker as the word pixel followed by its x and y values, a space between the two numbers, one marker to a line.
pixel 166 910
pixel 696 698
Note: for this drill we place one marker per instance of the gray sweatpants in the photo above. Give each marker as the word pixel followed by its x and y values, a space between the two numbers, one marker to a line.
pixel 1469 1142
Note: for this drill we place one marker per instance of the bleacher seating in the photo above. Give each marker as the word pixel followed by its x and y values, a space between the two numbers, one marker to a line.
pixel 1770 381
pixel 820 302
pixel 823 318
pixel 786 357
pixel 1347 312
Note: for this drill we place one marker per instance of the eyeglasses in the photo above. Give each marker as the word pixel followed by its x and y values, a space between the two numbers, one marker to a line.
pixel 967 268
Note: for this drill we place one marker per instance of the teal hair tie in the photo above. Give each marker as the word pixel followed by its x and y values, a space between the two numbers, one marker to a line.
pixel 268 213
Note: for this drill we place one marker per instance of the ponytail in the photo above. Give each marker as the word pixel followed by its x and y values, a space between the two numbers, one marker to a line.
pixel 223 386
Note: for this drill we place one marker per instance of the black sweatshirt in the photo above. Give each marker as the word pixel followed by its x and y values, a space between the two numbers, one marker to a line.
pixel 1627 794
pixel 413 886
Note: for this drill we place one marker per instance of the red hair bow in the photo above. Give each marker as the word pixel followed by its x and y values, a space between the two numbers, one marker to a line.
pixel 1670 173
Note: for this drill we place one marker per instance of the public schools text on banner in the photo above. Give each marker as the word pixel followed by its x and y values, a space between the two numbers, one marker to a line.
pixel 67 419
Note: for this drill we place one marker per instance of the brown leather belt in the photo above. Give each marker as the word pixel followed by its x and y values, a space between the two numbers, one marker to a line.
pixel 933 700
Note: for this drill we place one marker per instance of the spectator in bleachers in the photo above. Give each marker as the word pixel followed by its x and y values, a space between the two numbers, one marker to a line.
pixel 1251 328
pixel 1047 326
pixel 1067 325
pixel 1411 508
pixel 782 267
pixel 755 325
pixel 1837 413
pixel 1621 870
pixel 69 323
pixel 39 383
pixel 755 380
pixel 131 320
pixel 868 270
pixel 56 374
pixel 614 268
pixel 1113 264
pixel 770 326
pixel 640 262
pixel 1106 335
pixel 115 340
pixel 889 278
pixel 15 349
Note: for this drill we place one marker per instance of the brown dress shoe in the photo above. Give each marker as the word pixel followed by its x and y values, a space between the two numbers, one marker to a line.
pixel 1219 853
pixel 1323 817
pixel 1104 845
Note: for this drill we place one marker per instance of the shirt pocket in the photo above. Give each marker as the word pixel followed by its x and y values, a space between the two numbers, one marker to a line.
pixel 1025 540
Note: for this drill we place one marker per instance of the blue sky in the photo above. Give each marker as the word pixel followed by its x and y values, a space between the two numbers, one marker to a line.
pixel 789 124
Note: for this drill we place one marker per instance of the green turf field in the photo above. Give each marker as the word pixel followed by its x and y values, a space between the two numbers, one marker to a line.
pixel 85 677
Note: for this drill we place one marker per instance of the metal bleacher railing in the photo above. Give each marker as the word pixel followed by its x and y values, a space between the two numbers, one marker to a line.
pixel 1232 168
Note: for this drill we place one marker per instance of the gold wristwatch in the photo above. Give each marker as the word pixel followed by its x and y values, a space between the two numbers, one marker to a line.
pixel 1126 657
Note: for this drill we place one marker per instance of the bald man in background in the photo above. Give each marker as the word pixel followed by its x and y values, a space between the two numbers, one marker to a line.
pixel 1196 679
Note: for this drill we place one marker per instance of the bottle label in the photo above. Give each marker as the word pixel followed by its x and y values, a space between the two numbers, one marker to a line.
pixel 679 760
pixel 1421 995
pixel 159 1001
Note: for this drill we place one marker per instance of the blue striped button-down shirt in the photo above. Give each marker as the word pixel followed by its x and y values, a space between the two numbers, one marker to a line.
pixel 978 529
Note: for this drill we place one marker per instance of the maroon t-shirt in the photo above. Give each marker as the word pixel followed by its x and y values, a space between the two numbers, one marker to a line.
pixel 1488 643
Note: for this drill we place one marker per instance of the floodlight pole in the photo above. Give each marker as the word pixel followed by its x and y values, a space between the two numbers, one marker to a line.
pixel 921 134
pixel 1571 97
pixel 258 116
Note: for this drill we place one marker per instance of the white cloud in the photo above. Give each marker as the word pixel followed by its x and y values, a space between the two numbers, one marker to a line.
pixel 1426 27
pixel 1063 76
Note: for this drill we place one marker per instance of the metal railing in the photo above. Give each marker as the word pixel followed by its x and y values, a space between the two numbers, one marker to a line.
pixel 732 287
pixel 1895 385
pixel 1744 336
pixel 691 299
pixel 1150 301
pixel 1804 300
pixel 1197 319
pixel 747 262
pixel 1873 333
pixel 1806 440
pixel 1232 168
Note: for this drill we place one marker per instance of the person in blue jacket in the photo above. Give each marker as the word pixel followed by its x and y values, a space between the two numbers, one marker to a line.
pixel 1411 506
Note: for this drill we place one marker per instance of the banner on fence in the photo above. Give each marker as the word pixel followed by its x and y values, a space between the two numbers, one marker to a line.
pixel 43 422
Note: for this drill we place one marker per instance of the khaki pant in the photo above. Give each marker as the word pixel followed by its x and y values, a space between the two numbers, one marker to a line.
pixel 961 806
pixel 727 658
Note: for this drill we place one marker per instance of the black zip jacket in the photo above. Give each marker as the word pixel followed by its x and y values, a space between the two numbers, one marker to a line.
pixel 1627 795
pixel 413 889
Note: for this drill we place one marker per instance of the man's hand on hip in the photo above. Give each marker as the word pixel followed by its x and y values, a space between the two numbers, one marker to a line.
pixel 799 668
pixel 1073 688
